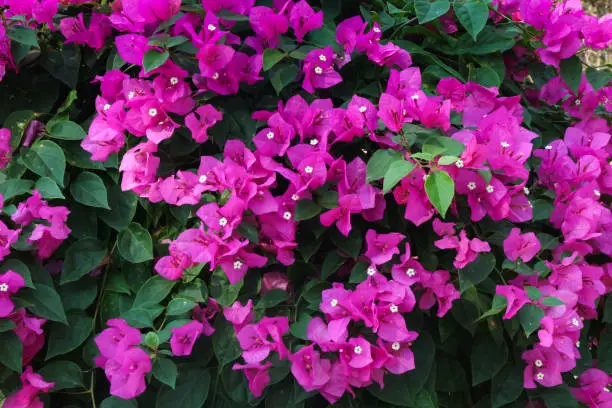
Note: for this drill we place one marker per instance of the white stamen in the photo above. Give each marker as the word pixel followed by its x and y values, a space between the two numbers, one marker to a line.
pixel 202 179
pixel 505 144
pixel 174 80
pixel 526 190
pixel 459 163
pixel 152 112
pixel 548 147
pixel 538 363
pixel 295 197
pixel 223 222
pixel 334 303
pixel 371 271
pixel 597 193
pixel 287 215
pixel 318 70
pixel 358 350
pixel 578 344
pixel 410 272
pixel 270 135
pixel 314 142
pixel 322 58
pixel 308 169
pixel 131 95
pixel 540 376
pixel 575 322
pixel 363 109
pixel 215 75
pixel 376 30
pixel 606 389
pixel 490 189
pixel 415 97
pixel 211 27
pixel 4 287
pixel 106 107
pixel 393 308
pixel 471 186
pixel 395 346
pixel 237 265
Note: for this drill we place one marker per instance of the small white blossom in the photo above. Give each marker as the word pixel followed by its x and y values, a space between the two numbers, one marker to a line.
pixel 459 163
pixel 202 179
pixel 415 97
pixel 318 70
pixel 376 30
pixel 526 190
pixel 4 287
pixel 308 169
pixel 295 197
pixel 223 222
pixel 287 215
pixel 538 363
pixel 322 58
pixel 410 272
pixel 152 112
pixel 393 308
pixel 131 95
pixel 471 186
pixel 540 376
pixel 106 107
pixel 505 144
pixel 174 80
pixel 270 135
pixel 211 27
pixel 358 350
pixel 597 193
pixel 371 271
pixel 215 76
pixel 363 109
pixel 395 346
pixel 548 147
pixel 314 142
pixel 334 302
pixel 575 322
pixel 490 189
pixel 237 265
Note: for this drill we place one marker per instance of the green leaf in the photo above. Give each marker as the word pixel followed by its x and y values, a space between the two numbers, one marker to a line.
pixel 571 72
pixel 272 298
pixel 533 293
pixel 306 209
pixel 447 160
pixel 490 40
pixel 66 130
pixel 151 340
pixel 15 187
pixel 271 57
pixel 558 397
pixel 72 96
pixel 487 359
pixel 396 172
pixel 328 199
pixel 351 245
pixel 359 272
pixel 475 272
pixel 11 351
pixel 380 162
pixel 221 290
pixel 230 16
pixel 48 188
pixel 486 76
pixel 89 189
pixel 135 244
pixel 507 386
pixel 440 189
pixel 224 342
pixel 607 315
pixel 64 64
pixel 64 339
pixel 123 208
pixel 604 350
pixel 154 290
pixel 23 35
pixel 44 302
pixel 542 209
pixel 472 14
pixel 22 269
pixel 46 159
pixel 530 316
pixel 65 374
pixel 300 327
pixel 427 10
pixel 116 402
pixel 81 258
pixel 598 78
pixel 552 301
pixel 80 294
pixel 282 75
pixel 332 262
pixel 179 306
pixel 249 231
pixel 143 316
pixel 498 305
pixel 154 59
pixel 6 325
pixel 165 371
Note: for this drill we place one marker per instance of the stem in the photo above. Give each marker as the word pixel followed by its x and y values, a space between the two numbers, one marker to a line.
pixel 91 388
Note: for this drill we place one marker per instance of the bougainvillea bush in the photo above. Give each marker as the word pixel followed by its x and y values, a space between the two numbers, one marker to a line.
pixel 223 203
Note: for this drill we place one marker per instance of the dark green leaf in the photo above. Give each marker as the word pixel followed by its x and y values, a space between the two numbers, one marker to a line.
pixel 48 188
pixel 332 262
pixel 154 290
pixel 598 78
pixel 427 10
pixel 6 325
pixel 135 244
pixel 66 130
pixel 16 265
pixel 541 209
pixel 64 64
pixel 272 298
pixel 282 75
pixel 225 344
pixel 165 371
pixel 552 301
pixel 154 59
pixel 487 359
pixel 396 172
pixel 507 386
pixel 15 187
pixel 249 231
pixel 46 159
pixel 533 293
pixel 472 14
pixel 123 208
pixel 116 402
pixel 65 374
pixel 228 15
pixel 89 189
pixel 23 35
pixel 440 189
pixel 530 316
pixel 179 306
pixel 11 351
pixel 80 294
pixel 558 397
pixel 604 350
pixel 81 258
pixel 306 209
pixel 380 162
pixel 300 327
pixel 271 57
pixel 221 290
pixel 475 272
pixel 571 72
pixel 44 302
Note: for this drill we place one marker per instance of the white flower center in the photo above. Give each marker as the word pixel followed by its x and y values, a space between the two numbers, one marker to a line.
pixel 597 193
pixel 490 189
pixel 237 265
pixel 371 271
pixel 202 179
pixel 322 58
pixel 131 95
pixel 223 222
pixel 415 97
pixel 106 107
pixel 270 135
pixel 287 215
pixel 215 75
pixel 606 389
pixel 395 346
pixel 578 344
pixel 526 190
pixel 540 376
pixel 295 197
pixel 410 272
pixel 174 80
pixel 459 163
pixel 314 142
pixel 471 185
pixel 376 30
pixel 308 169
pixel 393 308
pixel 363 109
pixel 538 363
pixel 505 144
pixel 152 112
pixel 358 350
pixel 4 287
pixel 318 70
pixel 548 148
pixel 211 27
pixel 334 302
pixel 575 322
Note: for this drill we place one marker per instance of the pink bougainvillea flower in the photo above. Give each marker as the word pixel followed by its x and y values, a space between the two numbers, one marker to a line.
pixel 32 384
pixel 10 283
pixel 239 315
pixel 257 376
pixel 126 373
pixel 309 369
pixel 30 332
pixel 184 337
pixel 382 247
pixel 523 246
pixel 206 117
pixel 542 367
pixel 319 70
pixel 5 147
pixel 303 19
pixel 515 296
